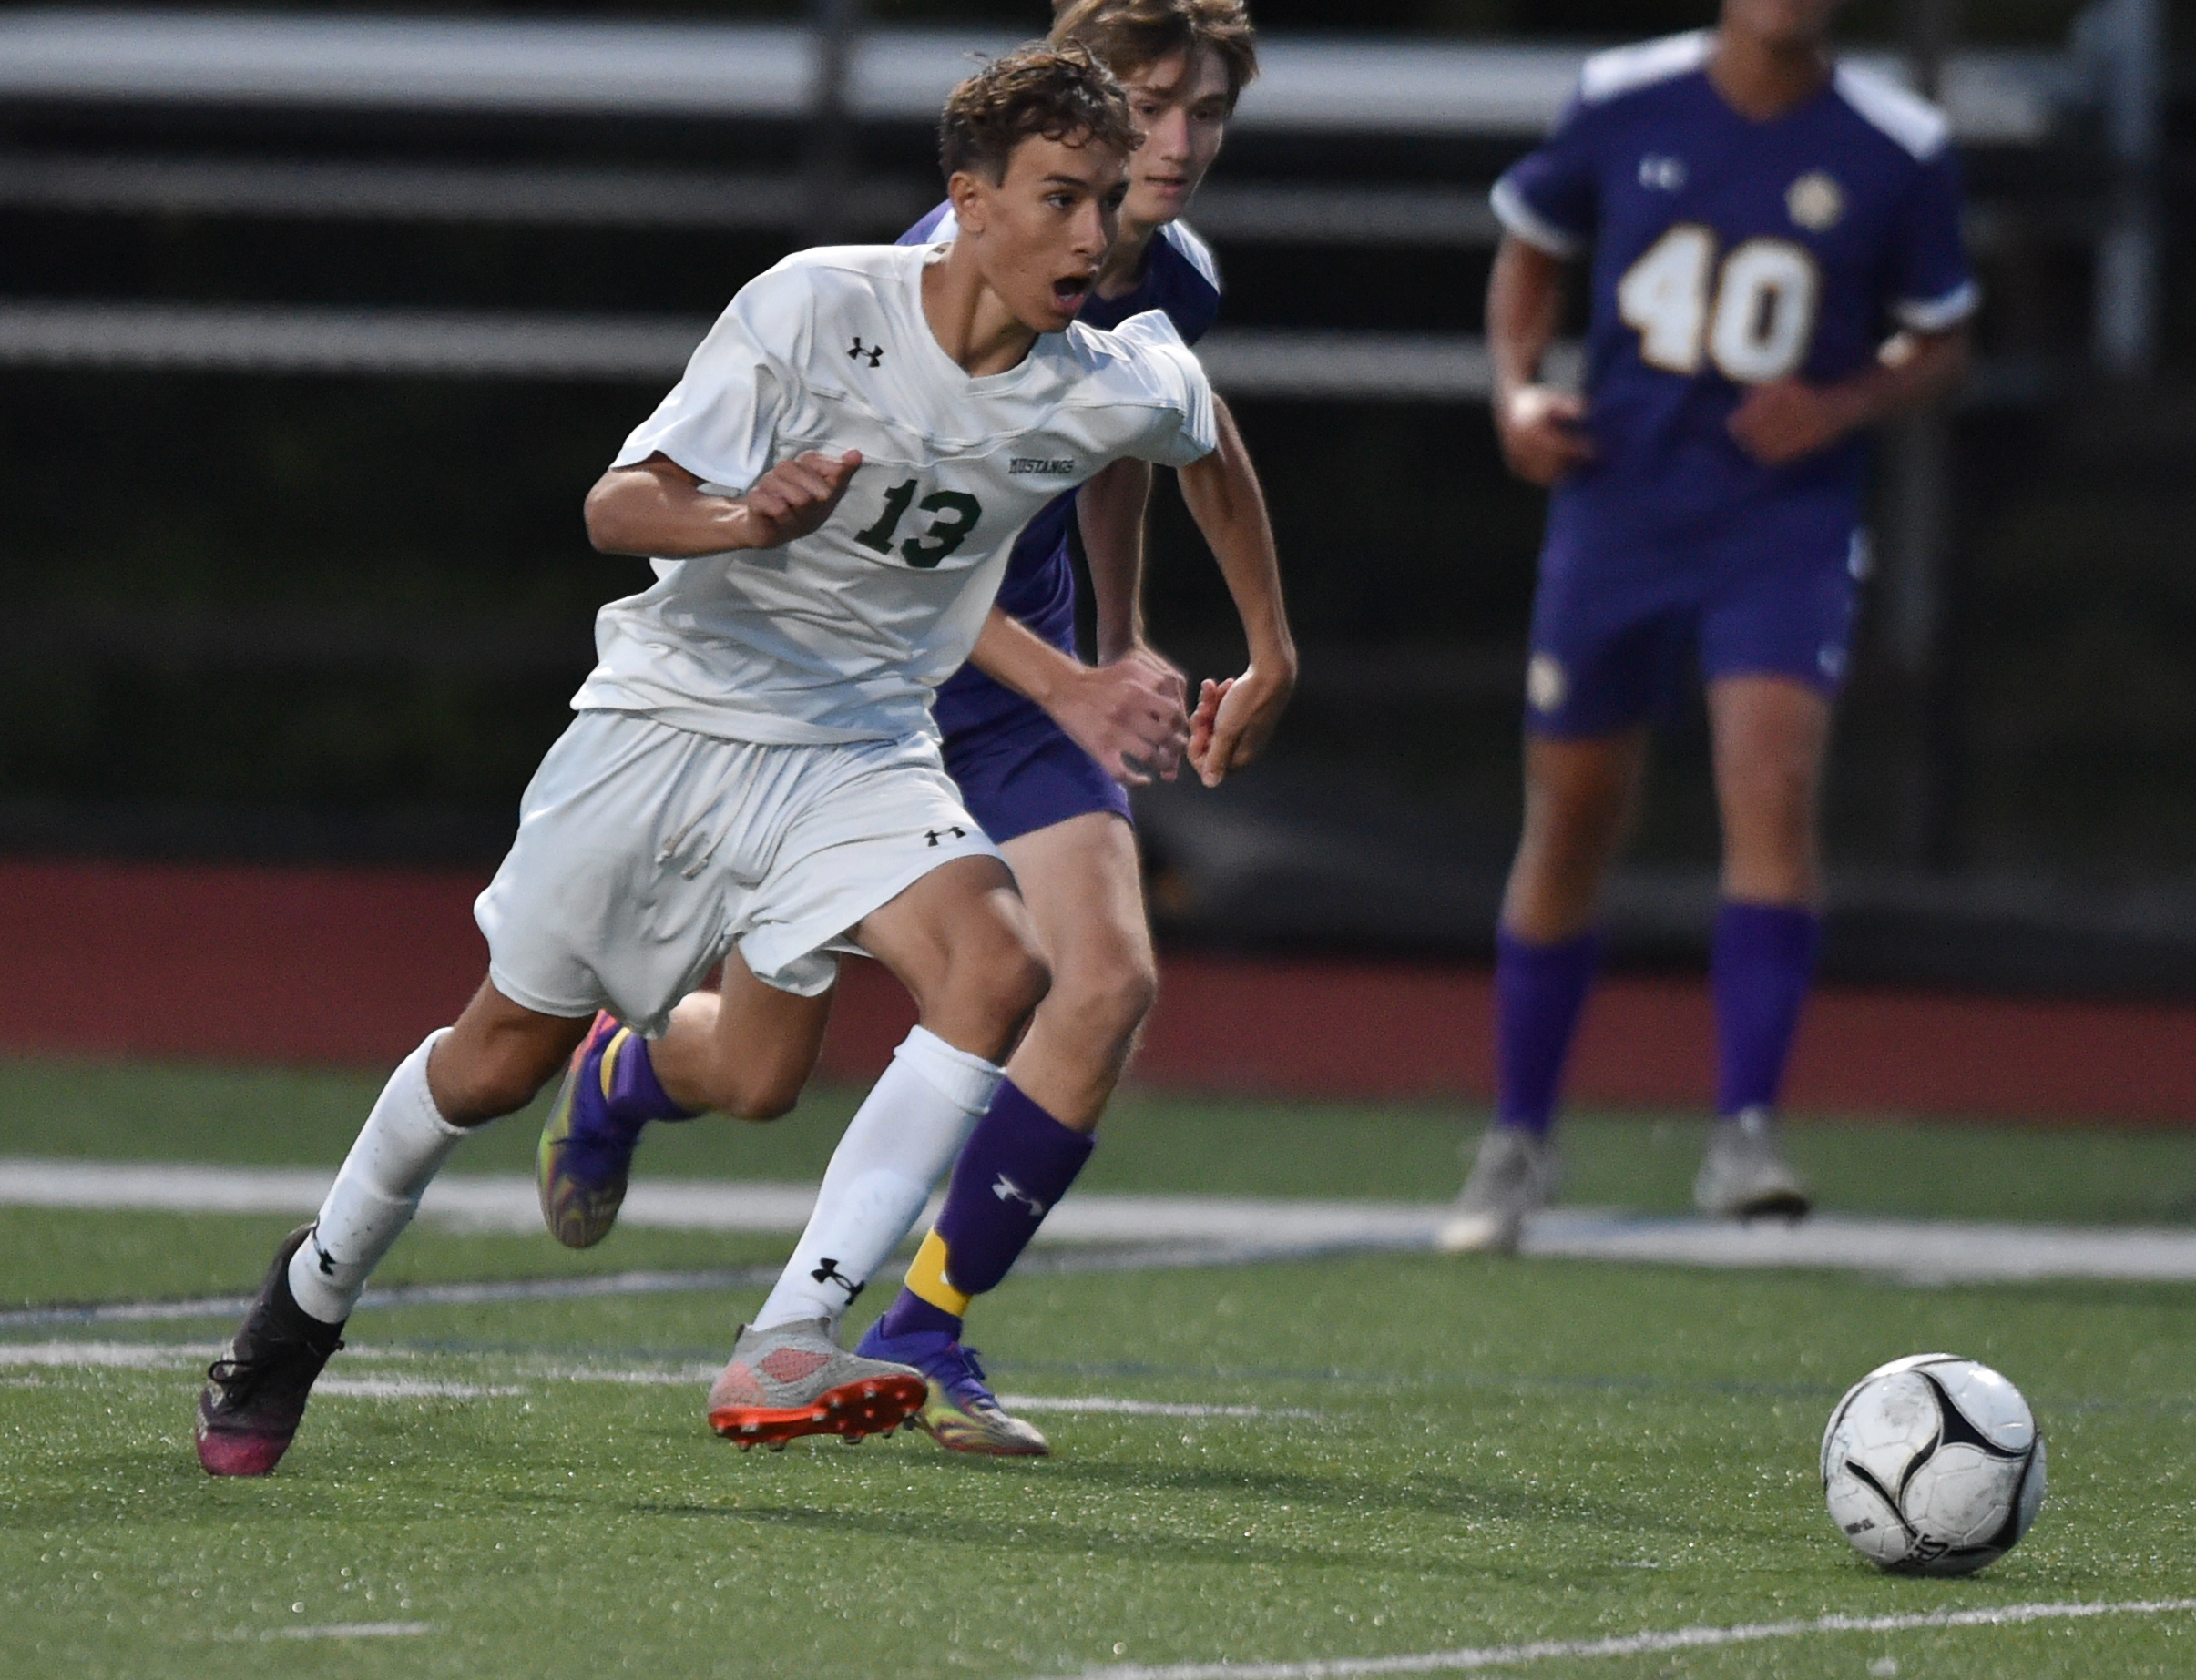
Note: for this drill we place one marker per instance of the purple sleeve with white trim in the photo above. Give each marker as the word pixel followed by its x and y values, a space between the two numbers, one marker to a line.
pixel 1550 198
pixel 1931 286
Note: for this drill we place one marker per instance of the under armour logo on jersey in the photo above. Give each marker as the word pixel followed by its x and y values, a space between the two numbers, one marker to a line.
pixel 325 1260
pixel 1006 1190
pixel 956 829
pixel 829 1272
pixel 875 352
pixel 1661 173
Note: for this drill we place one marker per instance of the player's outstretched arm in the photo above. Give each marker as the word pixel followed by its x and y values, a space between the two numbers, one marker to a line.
pixel 657 508
pixel 1537 425
pixel 1130 713
pixel 1236 718
pixel 1790 419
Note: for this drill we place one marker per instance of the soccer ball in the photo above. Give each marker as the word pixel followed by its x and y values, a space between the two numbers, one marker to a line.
pixel 1933 1465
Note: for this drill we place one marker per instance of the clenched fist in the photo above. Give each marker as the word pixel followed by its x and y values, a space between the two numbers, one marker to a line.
pixel 796 496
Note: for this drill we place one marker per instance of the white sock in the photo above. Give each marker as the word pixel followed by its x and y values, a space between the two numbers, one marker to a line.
pixel 899 1144
pixel 402 1146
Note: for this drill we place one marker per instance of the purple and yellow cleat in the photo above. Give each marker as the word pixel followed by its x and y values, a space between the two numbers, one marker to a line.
pixel 961 1414
pixel 587 1148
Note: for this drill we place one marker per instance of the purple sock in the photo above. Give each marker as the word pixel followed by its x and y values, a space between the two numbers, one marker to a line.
pixel 1539 991
pixel 910 1314
pixel 1016 1165
pixel 637 1095
pixel 1764 959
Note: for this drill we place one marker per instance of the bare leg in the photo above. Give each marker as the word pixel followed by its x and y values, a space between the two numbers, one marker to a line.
pixel 1085 892
pixel 1772 735
pixel 497 1057
pixel 1579 796
pixel 1086 898
pixel 960 941
pixel 493 1061
pixel 745 1051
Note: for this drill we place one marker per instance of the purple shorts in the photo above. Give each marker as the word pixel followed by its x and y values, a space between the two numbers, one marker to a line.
pixel 1613 623
pixel 1019 772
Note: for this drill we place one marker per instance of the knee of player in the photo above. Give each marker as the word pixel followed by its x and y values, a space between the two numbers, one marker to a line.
pixel 1012 980
pixel 1024 979
pixel 760 1100
pixel 1110 996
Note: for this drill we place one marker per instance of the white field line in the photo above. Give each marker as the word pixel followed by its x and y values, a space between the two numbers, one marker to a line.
pixel 680 1377
pixel 352 1630
pixel 409 1387
pixel 609 1285
pixel 1631 1645
pixel 177 1356
pixel 1215 1229
pixel 107 1355
pixel 1143 1409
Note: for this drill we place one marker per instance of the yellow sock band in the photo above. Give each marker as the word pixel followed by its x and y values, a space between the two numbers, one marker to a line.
pixel 926 1277
pixel 607 1067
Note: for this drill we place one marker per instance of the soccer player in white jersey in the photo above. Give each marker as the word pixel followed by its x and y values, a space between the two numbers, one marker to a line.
pixel 1042 748
pixel 830 492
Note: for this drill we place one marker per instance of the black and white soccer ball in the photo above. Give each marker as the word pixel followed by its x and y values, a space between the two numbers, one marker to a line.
pixel 1933 1465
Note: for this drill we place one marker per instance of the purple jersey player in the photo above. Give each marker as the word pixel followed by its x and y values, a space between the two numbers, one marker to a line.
pixel 1776 263
pixel 1015 766
pixel 1040 745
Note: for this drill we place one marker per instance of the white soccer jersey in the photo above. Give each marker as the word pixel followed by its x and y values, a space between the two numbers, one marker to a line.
pixel 843 635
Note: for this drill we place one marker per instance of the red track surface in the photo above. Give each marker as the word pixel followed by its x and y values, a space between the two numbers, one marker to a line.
pixel 356 966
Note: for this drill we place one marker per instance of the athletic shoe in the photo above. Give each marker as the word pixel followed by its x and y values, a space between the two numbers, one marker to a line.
pixel 583 1157
pixel 1744 1174
pixel 962 1414
pixel 793 1379
pixel 1517 1172
pixel 255 1393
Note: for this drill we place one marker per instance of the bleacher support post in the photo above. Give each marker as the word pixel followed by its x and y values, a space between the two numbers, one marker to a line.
pixel 2125 41
pixel 829 160
pixel 1920 509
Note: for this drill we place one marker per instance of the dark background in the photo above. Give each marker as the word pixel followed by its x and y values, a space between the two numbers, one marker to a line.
pixel 339 618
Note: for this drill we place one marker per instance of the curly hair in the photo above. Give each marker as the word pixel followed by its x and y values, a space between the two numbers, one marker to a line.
pixel 1128 36
pixel 1040 90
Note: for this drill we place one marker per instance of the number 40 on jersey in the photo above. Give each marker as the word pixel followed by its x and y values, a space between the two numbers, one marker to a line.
pixel 1752 315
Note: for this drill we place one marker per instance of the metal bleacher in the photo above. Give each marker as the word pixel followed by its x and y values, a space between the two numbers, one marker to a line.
pixel 1310 87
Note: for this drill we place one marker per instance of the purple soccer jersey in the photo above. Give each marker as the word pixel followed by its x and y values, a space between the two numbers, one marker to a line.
pixel 1180 278
pixel 1729 253
pixel 1726 254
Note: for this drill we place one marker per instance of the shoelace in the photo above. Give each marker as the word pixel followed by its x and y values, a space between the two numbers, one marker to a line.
pixel 241 1381
pixel 983 1396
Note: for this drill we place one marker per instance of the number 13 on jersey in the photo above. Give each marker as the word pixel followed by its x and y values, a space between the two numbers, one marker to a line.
pixel 1752 316
pixel 958 515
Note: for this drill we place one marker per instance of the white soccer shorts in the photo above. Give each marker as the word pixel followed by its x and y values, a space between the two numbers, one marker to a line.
pixel 645 854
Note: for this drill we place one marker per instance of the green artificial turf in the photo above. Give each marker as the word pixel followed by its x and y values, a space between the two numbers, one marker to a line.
pixel 1448 1453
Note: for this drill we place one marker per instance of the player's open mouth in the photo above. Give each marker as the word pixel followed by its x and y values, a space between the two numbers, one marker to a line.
pixel 1069 293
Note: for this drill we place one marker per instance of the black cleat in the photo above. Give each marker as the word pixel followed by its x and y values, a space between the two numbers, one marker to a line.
pixel 255 1392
